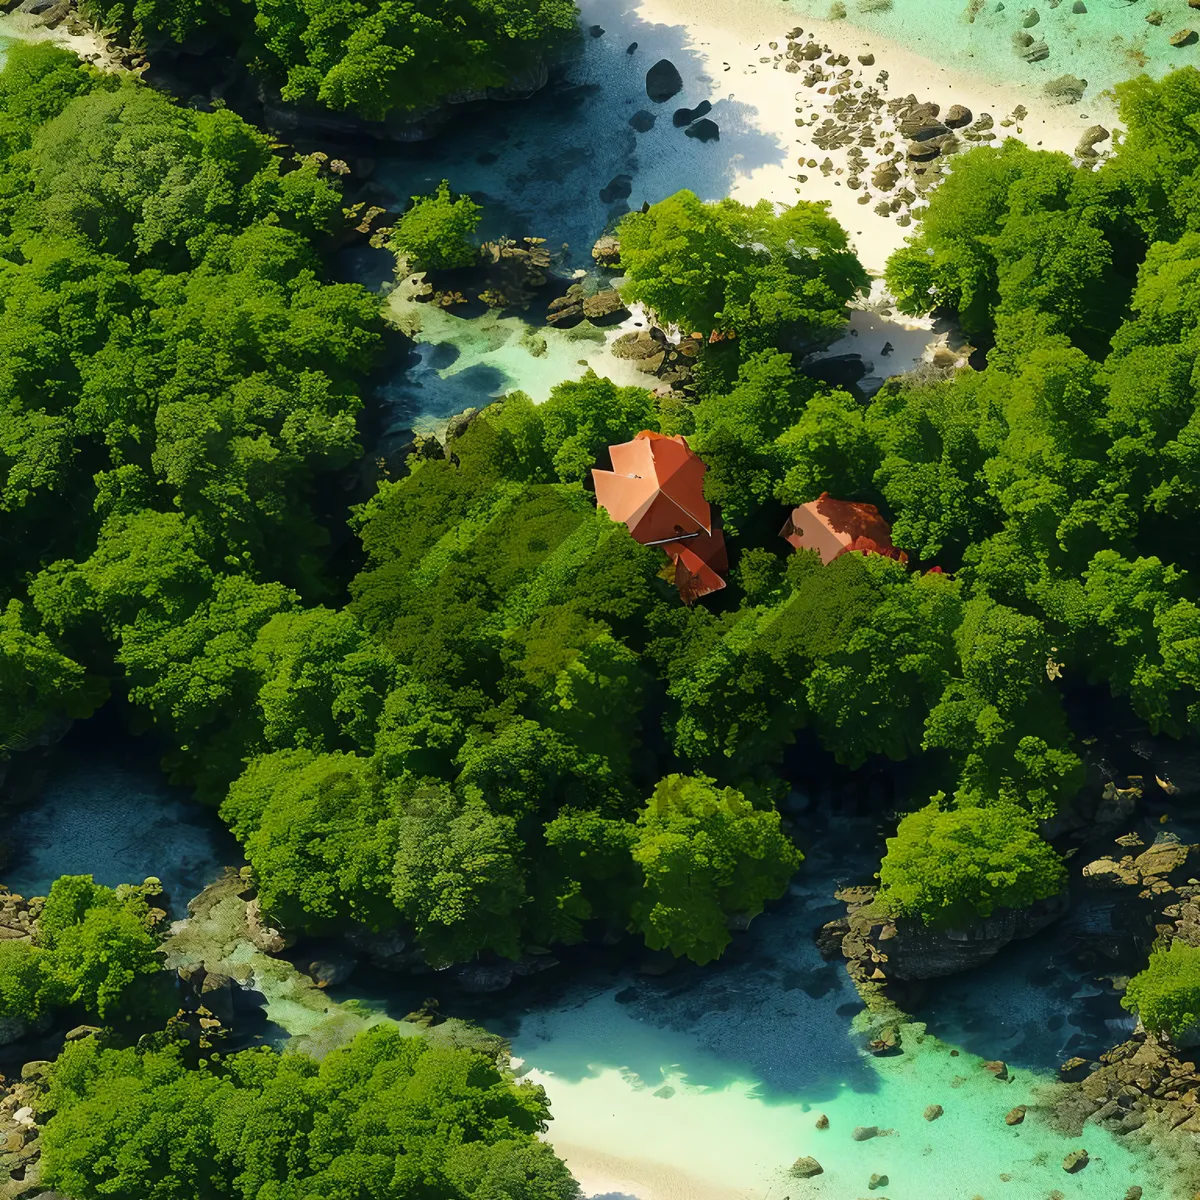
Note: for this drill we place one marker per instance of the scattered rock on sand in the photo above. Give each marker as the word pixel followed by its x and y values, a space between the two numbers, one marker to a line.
pixel 642 121
pixel 806 1168
pixel 704 130
pixel 877 1181
pixel 1015 1116
pixel 864 1133
pixel 1135 1192
pixel 885 176
pixel 1184 37
pixel 1154 17
pixel 998 1070
pixel 933 1111
pixel 822 1122
pixel 1078 7
pixel 1075 1161
pixel 867 60
pixel 1068 88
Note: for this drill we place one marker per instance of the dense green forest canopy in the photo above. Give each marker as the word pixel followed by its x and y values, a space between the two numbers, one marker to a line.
pixel 372 57
pixel 514 734
pixel 388 1117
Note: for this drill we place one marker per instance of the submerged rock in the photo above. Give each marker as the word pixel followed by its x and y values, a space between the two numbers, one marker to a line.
pixel 1015 1115
pixel 933 1111
pixel 1185 37
pixel 806 1168
pixel 663 81
pixel 877 1181
pixel 998 1070
pixel 642 121
pixel 822 1122
pixel 1068 88
pixel 1075 1161
pixel 864 1133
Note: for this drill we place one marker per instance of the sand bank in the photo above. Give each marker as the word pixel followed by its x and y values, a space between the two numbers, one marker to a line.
pixel 732 42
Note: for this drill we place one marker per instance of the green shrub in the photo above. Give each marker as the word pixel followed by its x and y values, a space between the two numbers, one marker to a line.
pixel 952 866
pixel 435 233
pixel 1166 995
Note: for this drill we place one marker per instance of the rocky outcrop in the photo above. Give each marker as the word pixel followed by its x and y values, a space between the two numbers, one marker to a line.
pixel 880 948
pixel 1151 873
pixel 20 1134
pixel 1142 1081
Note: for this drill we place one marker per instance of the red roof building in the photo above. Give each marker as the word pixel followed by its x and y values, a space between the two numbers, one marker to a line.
pixel 656 488
pixel 836 527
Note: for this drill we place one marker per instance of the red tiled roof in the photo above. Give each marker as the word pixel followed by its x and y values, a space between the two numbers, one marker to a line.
pixel 656 488
pixel 835 527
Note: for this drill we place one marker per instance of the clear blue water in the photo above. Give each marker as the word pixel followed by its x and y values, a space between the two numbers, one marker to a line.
pixel 107 811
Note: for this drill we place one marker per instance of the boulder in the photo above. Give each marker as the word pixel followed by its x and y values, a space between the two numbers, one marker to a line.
pixel 933 1111
pixel 642 121
pixel 1184 37
pixel 685 116
pixel 663 81
pixel 822 1122
pixel 1073 1070
pixel 330 970
pixel 646 352
pixel 877 1181
pixel 1015 1116
pixel 958 116
pixel 1086 146
pixel 885 176
pixel 864 1133
pixel 565 312
pixel 806 1168
pixel 605 308
pixel 1068 88
pixel 1075 1161
pixel 704 130
pixel 998 1070
pixel 607 251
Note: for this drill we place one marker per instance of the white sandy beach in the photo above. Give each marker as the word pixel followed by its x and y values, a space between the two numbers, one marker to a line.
pixel 738 34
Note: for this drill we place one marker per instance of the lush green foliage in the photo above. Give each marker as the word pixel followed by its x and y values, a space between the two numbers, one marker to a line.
pixel 950 866
pixel 388 1117
pixel 436 231
pixel 772 279
pixel 1166 995
pixel 371 57
pixel 93 947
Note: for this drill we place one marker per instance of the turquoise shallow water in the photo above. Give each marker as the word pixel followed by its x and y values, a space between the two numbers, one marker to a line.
pixel 1109 42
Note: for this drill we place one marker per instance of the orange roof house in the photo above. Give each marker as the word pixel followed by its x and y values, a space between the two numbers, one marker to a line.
pixel 656 488
pixel 835 527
